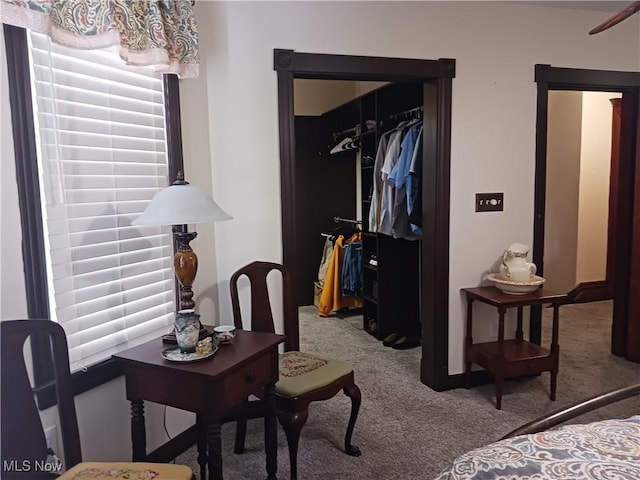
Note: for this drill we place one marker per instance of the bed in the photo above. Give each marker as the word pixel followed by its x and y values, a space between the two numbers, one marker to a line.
pixel 603 450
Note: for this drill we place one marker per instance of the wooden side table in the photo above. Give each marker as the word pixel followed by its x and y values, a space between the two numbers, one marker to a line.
pixel 209 387
pixel 515 357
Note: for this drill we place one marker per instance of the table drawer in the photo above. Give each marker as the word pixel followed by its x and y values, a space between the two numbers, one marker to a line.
pixel 250 378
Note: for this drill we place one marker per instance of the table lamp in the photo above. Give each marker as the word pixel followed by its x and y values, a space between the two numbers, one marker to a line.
pixel 177 205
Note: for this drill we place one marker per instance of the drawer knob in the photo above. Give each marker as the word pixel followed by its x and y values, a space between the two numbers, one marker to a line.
pixel 250 377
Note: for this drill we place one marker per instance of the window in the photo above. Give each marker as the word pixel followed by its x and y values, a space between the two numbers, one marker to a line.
pixel 101 156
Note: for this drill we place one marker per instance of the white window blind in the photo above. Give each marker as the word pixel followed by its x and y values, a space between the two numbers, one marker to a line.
pixel 101 155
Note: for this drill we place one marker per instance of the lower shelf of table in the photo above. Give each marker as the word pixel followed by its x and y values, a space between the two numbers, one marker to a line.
pixel 519 357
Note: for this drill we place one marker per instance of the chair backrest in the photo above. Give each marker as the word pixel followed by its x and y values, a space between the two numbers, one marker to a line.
pixel 261 311
pixel 23 438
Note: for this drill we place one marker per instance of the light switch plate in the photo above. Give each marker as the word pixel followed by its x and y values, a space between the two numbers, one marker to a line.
pixel 489 202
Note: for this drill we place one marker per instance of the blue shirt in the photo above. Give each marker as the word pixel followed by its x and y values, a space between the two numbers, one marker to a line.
pixel 404 183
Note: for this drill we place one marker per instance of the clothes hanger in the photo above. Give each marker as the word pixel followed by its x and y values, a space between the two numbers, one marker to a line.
pixel 347 143
pixel 617 18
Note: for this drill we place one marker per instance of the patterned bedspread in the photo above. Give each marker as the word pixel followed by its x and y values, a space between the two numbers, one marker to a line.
pixel 606 450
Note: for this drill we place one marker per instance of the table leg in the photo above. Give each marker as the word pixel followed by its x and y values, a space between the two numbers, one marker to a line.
pixel 555 351
pixel 499 376
pixel 554 382
pixel 468 341
pixel 519 333
pixel 270 431
pixel 215 449
pixel 138 431
pixel 203 457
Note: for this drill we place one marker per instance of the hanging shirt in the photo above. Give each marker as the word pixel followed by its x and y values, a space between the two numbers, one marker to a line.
pixel 352 270
pixel 399 176
pixel 374 211
pixel 414 188
pixel 327 250
pixel 387 197
pixel 331 298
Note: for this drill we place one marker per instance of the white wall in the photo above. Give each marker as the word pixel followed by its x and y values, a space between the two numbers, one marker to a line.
pixel 315 97
pixel 196 148
pixel 595 168
pixel 365 87
pixel 231 143
pixel 577 196
pixel 563 189
pixel 496 46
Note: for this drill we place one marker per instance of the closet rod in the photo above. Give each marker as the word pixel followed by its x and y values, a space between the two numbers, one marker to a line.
pixel 346 220
pixel 348 130
pixel 406 112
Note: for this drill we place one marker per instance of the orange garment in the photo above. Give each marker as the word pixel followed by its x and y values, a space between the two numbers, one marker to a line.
pixel 331 298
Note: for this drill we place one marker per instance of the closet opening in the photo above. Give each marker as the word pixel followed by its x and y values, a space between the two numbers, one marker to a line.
pixel 325 193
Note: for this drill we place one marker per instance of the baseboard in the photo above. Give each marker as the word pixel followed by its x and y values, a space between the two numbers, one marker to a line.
pixel 179 444
pixel 586 292
pixel 476 378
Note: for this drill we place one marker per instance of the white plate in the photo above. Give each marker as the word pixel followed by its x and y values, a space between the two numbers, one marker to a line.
pixel 174 354
pixel 515 288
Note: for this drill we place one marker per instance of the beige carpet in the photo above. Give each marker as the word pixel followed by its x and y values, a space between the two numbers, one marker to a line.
pixel 406 430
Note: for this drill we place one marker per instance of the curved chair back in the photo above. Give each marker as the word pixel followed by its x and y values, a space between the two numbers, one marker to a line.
pixel 22 435
pixel 261 311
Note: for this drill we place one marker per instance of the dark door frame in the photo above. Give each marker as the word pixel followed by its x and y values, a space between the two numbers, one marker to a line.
pixel 437 77
pixel 617 283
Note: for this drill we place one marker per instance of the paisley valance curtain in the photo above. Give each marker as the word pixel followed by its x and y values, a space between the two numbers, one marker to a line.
pixel 159 33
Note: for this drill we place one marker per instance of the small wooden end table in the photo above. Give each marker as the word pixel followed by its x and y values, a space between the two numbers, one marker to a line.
pixel 515 357
pixel 208 387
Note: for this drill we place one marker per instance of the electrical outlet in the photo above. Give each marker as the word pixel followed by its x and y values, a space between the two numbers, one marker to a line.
pixel 51 434
pixel 489 202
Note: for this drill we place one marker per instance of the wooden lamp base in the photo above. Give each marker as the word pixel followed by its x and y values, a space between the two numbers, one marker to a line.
pixel 185 263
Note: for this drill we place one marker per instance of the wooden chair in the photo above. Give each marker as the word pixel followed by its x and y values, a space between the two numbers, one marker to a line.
pixel 24 447
pixel 304 378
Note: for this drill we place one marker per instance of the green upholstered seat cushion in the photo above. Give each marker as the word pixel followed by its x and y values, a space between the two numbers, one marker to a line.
pixel 127 471
pixel 303 372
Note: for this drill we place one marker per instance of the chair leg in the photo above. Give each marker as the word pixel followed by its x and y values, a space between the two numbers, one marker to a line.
pixel 353 392
pixel 203 451
pixel 241 429
pixel 292 424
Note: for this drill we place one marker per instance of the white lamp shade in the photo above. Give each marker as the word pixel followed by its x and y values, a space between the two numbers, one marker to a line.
pixel 180 205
